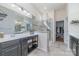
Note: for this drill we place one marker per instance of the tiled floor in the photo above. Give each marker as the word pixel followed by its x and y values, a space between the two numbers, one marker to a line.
pixel 57 49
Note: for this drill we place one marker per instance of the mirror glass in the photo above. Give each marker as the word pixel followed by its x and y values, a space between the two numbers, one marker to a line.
pixel 12 22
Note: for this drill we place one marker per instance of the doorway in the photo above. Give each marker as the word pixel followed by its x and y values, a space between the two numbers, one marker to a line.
pixel 60 31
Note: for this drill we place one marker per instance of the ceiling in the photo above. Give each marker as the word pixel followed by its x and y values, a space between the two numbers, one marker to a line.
pixel 35 8
pixel 48 6
pixel 41 8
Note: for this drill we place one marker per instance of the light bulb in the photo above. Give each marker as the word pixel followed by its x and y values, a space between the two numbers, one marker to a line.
pixel 24 11
pixel 13 5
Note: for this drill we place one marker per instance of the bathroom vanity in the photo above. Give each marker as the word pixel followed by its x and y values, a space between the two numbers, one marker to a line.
pixel 18 46
pixel 74 45
pixel 14 40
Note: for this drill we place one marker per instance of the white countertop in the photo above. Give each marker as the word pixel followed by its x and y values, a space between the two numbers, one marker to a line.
pixel 9 37
pixel 75 35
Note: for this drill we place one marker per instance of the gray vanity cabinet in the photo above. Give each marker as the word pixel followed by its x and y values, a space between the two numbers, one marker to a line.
pixel 18 47
pixel 0 50
pixel 10 48
pixel 24 47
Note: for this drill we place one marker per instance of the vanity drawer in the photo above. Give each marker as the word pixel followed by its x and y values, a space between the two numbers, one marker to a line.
pixel 11 51
pixel 24 39
pixel 9 43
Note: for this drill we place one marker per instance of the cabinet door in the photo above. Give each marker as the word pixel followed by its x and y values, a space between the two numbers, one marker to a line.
pixel 0 52
pixel 0 49
pixel 11 51
pixel 24 47
pixel 9 43
pixel 24 51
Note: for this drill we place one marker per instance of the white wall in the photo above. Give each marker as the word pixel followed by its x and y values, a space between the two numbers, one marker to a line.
pixel 60 14
pixel 73 14
pixel 66 31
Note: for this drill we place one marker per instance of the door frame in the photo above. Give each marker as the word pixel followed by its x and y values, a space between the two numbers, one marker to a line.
pixel 63 19
pixel 56 24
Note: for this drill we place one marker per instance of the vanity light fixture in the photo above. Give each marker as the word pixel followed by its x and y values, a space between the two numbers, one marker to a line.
pixel 24 11
pixel 13 5
pixel 2 16
pixel 16 6
pixel 28 13
pixel 21 9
